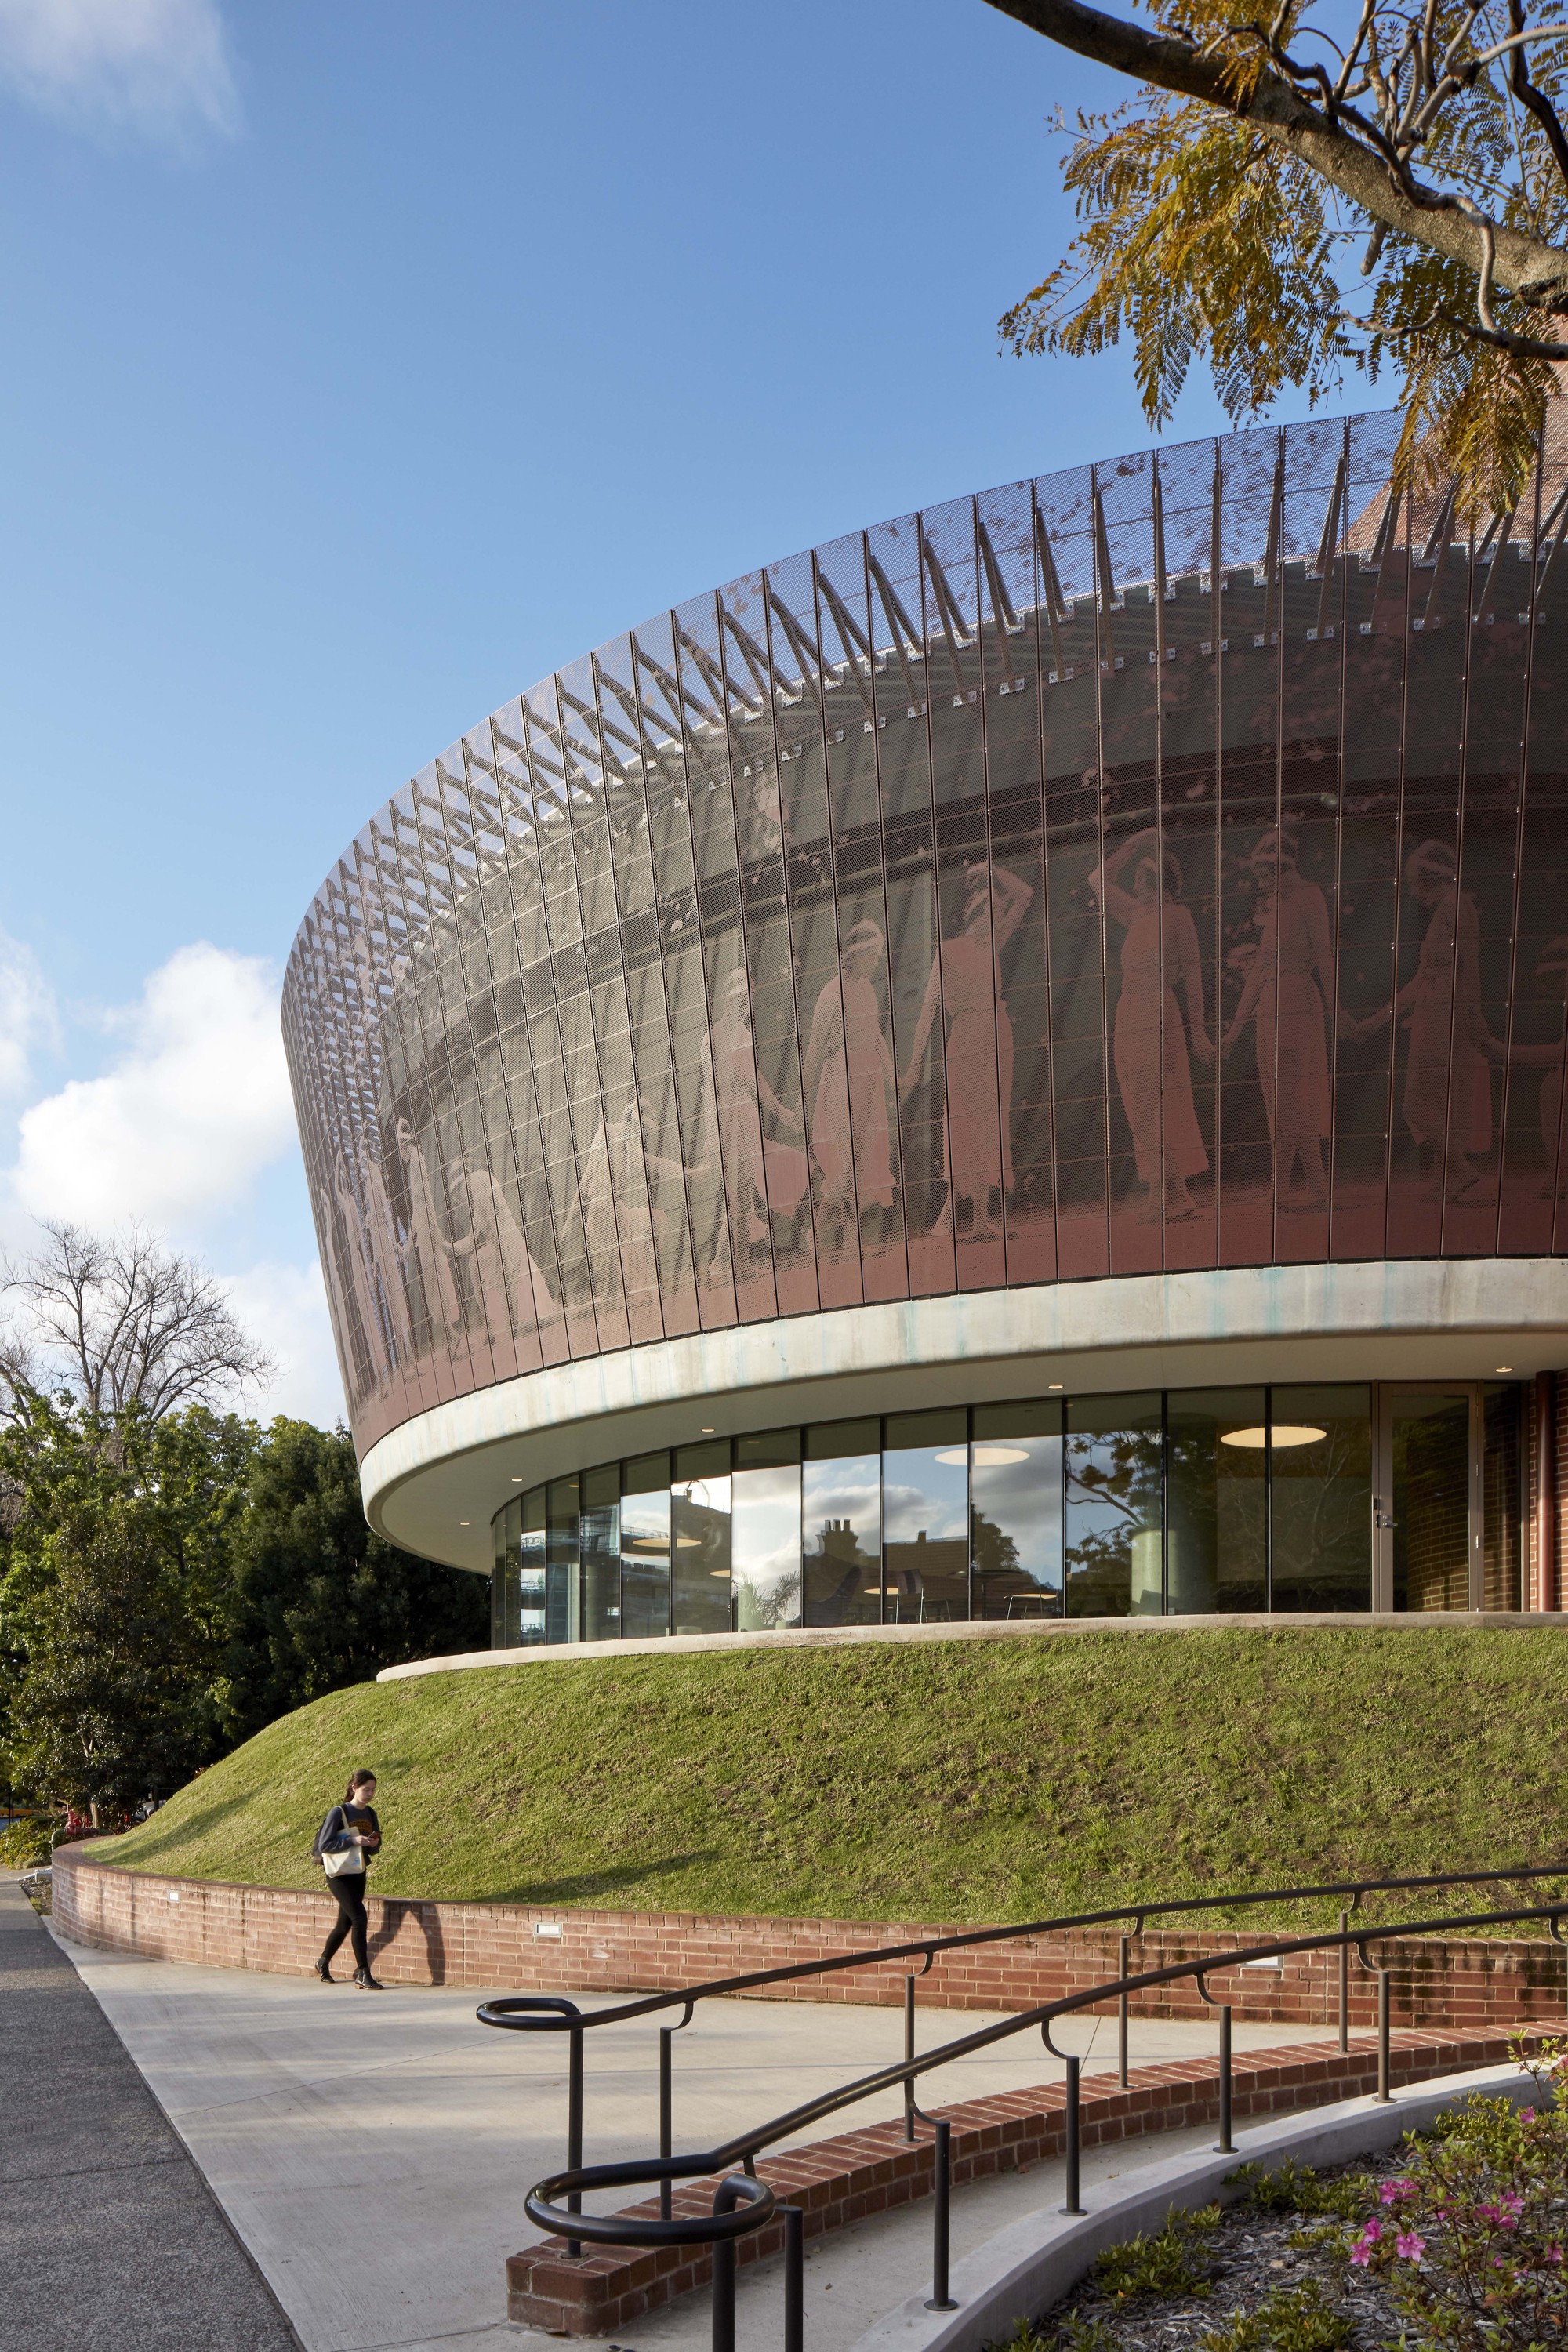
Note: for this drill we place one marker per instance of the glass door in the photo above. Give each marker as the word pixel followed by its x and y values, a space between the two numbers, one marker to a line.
pixel 1428 1503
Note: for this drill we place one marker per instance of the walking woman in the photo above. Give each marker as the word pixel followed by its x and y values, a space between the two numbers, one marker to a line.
pixel 344 1843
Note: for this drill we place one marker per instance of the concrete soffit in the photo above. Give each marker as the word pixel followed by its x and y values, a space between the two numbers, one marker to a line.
pixel 434 1483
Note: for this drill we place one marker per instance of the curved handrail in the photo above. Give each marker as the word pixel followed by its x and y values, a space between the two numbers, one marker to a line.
pixel 746 2145
pixel 756 2201
pixel 507 2012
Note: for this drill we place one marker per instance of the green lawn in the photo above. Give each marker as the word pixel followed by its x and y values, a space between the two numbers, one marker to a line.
pixel 959 1781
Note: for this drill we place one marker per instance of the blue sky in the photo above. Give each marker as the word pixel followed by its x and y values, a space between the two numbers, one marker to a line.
pixel 368 359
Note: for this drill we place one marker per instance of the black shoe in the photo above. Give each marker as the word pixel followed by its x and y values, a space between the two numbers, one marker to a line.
pixel 366 1983
pixel 324 1972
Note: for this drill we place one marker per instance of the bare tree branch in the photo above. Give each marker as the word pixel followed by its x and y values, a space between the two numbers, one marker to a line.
pixel 123 1322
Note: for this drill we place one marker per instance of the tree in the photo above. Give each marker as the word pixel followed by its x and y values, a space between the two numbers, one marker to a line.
pixel 115 1597
pixel 1220 209
pixel 319 1601
pixel 123 1323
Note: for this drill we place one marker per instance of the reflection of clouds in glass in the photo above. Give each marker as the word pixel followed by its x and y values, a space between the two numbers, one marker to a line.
pixel 710 1494
pixel 763 1568
pixel 940 1510
pixel 1024 1500
pixel 831 1494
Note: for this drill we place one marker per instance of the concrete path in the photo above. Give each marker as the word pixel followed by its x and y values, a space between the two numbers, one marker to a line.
pixel 109 2237
pixel 373 2150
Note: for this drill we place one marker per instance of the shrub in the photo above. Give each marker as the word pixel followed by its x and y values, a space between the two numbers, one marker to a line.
pixel 1175 2261
pixel 25 1844
pixel 1296 2188
pixel 1469 2239
pixel 1292 2319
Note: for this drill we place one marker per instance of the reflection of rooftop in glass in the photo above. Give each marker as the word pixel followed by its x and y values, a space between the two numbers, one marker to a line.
pixel 985 1457
pixel 1285 1432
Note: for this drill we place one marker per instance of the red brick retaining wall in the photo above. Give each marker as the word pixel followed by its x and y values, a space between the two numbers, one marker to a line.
pixel 837 2181
pixel 1465 1985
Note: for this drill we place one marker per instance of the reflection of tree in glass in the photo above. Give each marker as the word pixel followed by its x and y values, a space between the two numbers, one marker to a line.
pixel 1320 1498
pixel 995 1552
pixel 761 1606
pixel 1115 1475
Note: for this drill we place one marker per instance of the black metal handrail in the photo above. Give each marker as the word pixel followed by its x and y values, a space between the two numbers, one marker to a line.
pixel 737 2211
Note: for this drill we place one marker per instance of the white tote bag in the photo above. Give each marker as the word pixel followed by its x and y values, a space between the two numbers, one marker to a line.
pixel 348 1862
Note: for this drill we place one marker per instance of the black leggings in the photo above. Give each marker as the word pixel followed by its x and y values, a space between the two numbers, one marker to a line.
pixel 350 1920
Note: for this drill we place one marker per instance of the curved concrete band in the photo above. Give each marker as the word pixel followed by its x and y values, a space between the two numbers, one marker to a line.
pixel 434 1483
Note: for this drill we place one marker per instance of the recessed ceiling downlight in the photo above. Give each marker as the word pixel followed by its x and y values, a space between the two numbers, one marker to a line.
pixel 1285 1432
pixel 985 1457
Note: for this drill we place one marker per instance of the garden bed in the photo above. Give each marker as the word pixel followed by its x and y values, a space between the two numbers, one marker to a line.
pixel 1455 2239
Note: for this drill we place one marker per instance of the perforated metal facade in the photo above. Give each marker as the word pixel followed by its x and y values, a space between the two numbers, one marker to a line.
pixel 1158 866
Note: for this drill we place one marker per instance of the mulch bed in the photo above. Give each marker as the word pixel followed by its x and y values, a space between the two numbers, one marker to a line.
pixel 1250 2257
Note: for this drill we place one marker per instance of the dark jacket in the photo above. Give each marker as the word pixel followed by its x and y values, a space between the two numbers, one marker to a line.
pixel 332 1837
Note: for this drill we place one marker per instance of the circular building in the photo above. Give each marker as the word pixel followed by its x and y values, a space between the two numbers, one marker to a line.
pixel 1010 1066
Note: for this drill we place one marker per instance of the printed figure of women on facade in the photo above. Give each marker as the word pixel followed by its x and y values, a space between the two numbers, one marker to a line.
pixel 1289 983
pixel 1447 1097
pixel 1549 1057
pixel 850 1081
pixel 1162 973
pixel 426 1245
pixel 512 1289
pixel 623 1223
pixel 361 1269
pixel 764 1177
pixel 965 988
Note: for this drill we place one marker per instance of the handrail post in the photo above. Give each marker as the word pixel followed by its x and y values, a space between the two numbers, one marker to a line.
pixel 910 2059
pixel 1344 1983
pixel 939 2298
pixel 1385 2095
pixel 795 2278
pixel 1072 2205
pixel 666 2113
pixel 1225 2147
pixel 1122 1959
pixel 574 2125
pixel 726 2197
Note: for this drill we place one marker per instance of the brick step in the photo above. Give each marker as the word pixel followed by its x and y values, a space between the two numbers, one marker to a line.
pixel 860 2173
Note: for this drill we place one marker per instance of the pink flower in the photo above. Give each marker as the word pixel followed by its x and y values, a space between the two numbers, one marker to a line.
pixel 1360 2255
pixel 1554 2254
pixel 1392 2190
pixel 1409 2247
pixel 1511 2203
pixel 1527 2114
pixel 1371 2233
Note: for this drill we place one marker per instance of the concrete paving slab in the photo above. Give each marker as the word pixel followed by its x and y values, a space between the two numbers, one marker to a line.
pixel 326 2118
pixel 109 2237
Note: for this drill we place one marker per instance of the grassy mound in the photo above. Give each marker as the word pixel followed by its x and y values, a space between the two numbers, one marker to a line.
pixel 959 1781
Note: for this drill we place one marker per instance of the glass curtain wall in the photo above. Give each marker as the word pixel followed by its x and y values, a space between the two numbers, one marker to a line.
pixel 645 1546
pixel 925 1517
pixel 1015 1510
pixel 1320 1503
pixel 765 1531
pixel 1190 1502
pixel 841 1523
pixel 699 1540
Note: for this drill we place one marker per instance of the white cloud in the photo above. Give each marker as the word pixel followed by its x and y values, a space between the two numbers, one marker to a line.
pixel 28 1016
pixel 285 1308
pixel 193 1109
pixel 159 67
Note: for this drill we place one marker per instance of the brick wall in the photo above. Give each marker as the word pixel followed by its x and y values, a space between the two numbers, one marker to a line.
pixel 1469 1985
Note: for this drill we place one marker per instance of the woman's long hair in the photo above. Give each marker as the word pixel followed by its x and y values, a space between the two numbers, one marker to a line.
pixel 356 1781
